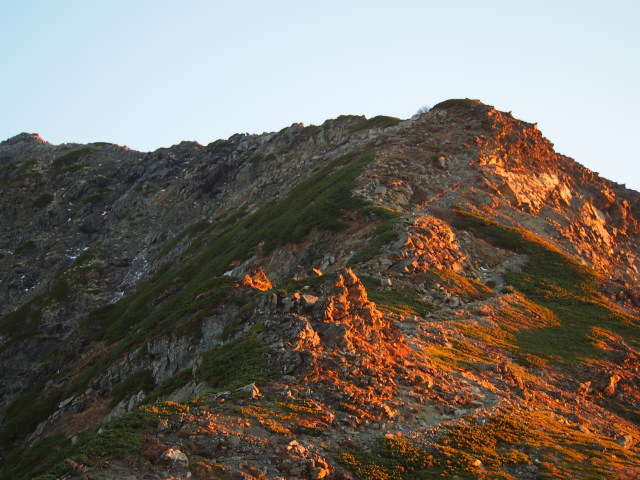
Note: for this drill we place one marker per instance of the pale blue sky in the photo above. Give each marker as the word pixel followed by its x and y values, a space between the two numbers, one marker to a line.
pixel 149 74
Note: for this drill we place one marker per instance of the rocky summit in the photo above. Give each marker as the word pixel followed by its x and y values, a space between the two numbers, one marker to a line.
pixel 439 297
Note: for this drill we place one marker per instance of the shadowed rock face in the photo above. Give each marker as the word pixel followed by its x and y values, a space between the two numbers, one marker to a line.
pixel 368 298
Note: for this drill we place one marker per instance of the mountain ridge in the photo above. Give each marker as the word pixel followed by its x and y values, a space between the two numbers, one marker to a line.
pixel 429 273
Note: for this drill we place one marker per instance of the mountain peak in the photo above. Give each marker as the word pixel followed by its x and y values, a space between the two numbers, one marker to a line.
pixel 24 138
pixel 365 298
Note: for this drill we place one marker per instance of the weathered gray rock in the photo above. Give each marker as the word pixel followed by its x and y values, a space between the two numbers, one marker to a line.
pixel 175 459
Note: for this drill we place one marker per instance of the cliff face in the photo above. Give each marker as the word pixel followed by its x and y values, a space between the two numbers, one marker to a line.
pixel 368 298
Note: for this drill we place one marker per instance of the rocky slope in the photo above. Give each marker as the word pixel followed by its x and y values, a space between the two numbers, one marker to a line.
pixel 369 298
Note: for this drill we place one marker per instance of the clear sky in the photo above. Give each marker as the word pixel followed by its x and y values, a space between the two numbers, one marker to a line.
pixel 151 73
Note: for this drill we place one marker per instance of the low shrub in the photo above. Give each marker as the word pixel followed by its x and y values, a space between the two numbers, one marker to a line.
pixel 385 233
pixel 379 121
pixel 134 383
pixel 234 364
pixel 42 201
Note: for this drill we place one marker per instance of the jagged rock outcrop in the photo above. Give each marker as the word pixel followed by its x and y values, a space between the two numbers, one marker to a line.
pixel 257 280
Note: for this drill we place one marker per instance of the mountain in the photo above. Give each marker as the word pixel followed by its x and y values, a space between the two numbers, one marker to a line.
pixel 444 296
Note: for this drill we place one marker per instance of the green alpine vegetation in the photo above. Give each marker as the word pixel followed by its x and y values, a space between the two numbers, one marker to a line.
pixel 556 282
pixel 384 233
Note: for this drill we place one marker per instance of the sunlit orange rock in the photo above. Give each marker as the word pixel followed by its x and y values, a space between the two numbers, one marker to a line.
pixel 257 279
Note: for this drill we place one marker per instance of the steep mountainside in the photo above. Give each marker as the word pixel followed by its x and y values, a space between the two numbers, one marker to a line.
pixel 443 296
